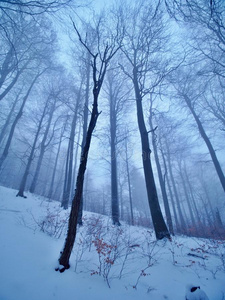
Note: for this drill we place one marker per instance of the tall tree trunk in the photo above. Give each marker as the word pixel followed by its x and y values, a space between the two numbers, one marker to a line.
pixel 31 156
pixel 114 178
pixel 85 122
pixel 72 226
pixel 159 224
pixel 161 180
pixel 98 78
pixel 207 142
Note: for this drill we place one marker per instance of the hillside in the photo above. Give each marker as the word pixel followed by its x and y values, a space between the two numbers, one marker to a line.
pixel 107 262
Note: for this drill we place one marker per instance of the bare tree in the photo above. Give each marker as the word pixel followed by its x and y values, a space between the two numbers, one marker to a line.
pixel 190 93
pixel 101 59
pixel 32 7
pixel 144 39
pixel 38 41
pixel 206 22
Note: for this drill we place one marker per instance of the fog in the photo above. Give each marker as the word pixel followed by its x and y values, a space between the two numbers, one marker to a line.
pixel 154 71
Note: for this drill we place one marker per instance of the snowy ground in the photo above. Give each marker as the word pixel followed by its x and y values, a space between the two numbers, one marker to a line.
pixel 107 262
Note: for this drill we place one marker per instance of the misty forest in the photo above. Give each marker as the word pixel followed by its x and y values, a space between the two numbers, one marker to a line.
pixel 112 124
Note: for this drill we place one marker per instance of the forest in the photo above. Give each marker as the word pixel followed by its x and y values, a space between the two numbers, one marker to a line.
pixel 115 109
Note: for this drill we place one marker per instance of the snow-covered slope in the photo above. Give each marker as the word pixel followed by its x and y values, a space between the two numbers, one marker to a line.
pixel 126 259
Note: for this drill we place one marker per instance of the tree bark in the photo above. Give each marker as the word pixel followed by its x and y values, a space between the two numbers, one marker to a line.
pixel 72 226
pixel 159 224
pixel 85 123
pixel 113 155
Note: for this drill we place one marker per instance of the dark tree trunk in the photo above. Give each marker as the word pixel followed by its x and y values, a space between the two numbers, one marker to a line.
pixel 72 226
pixel 75 165
pixel 98 77
pixel 114 178
pixel 159 224
pixel 207 142
pixel 85 123
pixel 161 179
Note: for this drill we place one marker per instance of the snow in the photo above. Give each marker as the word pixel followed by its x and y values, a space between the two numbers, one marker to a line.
pixel 32 234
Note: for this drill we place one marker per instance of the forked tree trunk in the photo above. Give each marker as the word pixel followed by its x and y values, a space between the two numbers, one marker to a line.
pixel 98 77
pixel 161 230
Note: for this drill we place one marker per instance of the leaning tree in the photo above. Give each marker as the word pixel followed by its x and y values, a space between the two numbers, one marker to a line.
pixel 107 46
